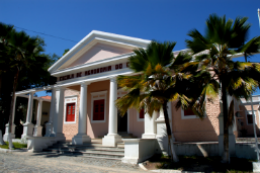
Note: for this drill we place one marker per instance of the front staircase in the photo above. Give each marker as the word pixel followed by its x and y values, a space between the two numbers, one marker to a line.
pixel 94 149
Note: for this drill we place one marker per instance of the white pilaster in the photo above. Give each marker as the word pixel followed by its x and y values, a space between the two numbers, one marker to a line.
pixel 49 126
pixel 58 119
pixel 13 125
pixel 149 126
pixel 38 127
pixel 112 137
pixel 82 137
pixel 28 126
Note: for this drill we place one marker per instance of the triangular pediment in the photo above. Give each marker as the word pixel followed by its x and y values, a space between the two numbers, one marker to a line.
pixel 98 52
pixel 95 47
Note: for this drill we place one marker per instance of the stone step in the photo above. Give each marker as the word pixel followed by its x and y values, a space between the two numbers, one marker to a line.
pixel 73 154
pixel 88 148
pixel 248 139
pixel 121 145
pixel 87 153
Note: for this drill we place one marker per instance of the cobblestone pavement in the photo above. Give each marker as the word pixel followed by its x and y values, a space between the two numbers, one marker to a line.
pixel 39 162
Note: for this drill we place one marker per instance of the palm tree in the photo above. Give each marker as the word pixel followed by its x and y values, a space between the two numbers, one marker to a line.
pixel 212 59
pixel 160 81
pixel 20 51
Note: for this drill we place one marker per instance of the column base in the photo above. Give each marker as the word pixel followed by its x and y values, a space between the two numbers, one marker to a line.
pixel 80 139
pixel 149 136
pixel 5 137
pixel 111 140
pixel 49 130
pixel 60 137
pixel 37 131
pixel 27 131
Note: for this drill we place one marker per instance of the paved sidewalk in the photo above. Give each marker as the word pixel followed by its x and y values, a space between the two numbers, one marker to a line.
pixel 38 162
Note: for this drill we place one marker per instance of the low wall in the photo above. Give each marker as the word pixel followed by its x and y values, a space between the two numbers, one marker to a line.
pixel 36 144
pixel 246 151
pixel 197 149
pixel 139 150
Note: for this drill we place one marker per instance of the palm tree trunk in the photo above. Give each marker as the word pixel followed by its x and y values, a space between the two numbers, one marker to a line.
pixel 225 157
pixel 169 133
pixel 2 142
pixel 11 110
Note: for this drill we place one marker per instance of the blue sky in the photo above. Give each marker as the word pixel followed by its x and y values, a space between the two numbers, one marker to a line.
pixel 161 20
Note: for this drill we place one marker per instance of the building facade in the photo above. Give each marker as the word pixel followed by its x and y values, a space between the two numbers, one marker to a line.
pixel 83 100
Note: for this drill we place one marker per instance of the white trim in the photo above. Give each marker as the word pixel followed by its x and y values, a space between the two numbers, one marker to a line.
pixel 138 115
pixel 99 97
pixel 94 77
pixel 98 36
pixel 93 65
pixel 187 117
pixel 65 108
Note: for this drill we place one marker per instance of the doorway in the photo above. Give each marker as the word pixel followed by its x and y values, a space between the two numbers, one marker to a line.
pixel 121 122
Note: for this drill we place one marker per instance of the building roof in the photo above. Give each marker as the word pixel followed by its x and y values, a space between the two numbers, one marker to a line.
pixel 46 97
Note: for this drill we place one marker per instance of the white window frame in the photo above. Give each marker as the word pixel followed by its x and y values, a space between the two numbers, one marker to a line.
pixel 70 99
pixel 187 117
pixel 138 116
pixel 250 112
pixel 98 96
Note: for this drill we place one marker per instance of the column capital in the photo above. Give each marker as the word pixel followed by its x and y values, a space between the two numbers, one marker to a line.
pixel 32 92
pixel 112 78
pixel 60 88
pixel 84 84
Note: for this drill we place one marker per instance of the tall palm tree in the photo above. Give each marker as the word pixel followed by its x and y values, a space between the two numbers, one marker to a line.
pixel 212 59
pixel 160 81
pixel 19 51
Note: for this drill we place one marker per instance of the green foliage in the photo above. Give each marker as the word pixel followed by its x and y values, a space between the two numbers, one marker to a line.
pixel 213 68
pixel 15 144
pixel 65 51
pixel 161 80
pixel 23 55
pixel 203 164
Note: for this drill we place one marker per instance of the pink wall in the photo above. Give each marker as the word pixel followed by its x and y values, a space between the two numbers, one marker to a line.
pixel 248 127
pixel 135 127
pixel 191 130
pixel 99 52
pixel 97 130
pixel 70 130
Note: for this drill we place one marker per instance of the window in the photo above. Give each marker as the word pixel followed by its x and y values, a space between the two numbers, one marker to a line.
pixel 250 118
pixel 99 109
pixel 70 112
pixel 98 106
pixel 187 114
pixel 140 115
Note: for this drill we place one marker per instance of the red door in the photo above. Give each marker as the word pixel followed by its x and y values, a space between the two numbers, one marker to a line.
pixel 70 112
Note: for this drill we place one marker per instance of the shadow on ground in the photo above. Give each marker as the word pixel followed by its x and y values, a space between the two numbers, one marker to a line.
pixel 200 164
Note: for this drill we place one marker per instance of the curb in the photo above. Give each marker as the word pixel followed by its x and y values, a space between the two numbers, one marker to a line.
pixel 12 151
pixel 141 165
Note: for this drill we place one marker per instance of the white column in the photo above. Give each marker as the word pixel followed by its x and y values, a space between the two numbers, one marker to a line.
pixel 150 126
pixel 52 113
pixel 13 125
pixel 112 138
pixel 38 127
pixel 58 119
pixel 161 135
pixel 28 126
pixel 82 137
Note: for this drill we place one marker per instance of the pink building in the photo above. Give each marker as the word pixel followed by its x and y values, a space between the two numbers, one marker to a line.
pixel 82 104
